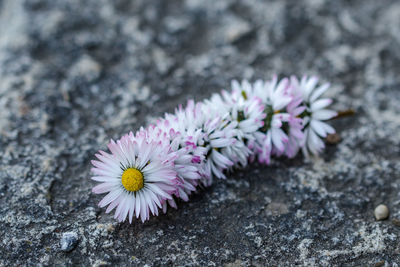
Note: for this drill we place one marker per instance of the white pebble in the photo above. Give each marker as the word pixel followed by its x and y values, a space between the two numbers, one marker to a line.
pixel 68 241
pixel 381 212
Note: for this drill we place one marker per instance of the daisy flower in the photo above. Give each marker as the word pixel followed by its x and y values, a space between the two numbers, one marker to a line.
pixel 213 133
pixel 294 127
pixel 138 176
pixel 219 134
pixel 315 113
pixel 275 97
pixel 244 114
pixel 188 156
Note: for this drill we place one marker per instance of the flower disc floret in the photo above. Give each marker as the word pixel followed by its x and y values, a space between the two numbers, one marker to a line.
pixel 132 179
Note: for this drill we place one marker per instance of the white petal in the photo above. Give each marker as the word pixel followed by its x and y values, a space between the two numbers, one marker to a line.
pixel 105 179
pixel 324 114
pixel 131 207
pixel 320 90
pixel 278 137
pixel 104 187
pixel 309 86
pixel 318 127
pixel 137 205
pixel 158 191
pixel 222 142
pixel 114 203
pixel 110 197
pixel 320 104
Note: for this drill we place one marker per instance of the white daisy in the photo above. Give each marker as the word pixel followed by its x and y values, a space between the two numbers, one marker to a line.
pixel 315 113
pixel 214 134
pixel 294 127
pixel 246 108
pixel 138 175
pixel 244 115
pixel 189 156
pixel 275 97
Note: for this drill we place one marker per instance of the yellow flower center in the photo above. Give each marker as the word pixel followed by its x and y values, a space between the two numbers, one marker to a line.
pixel 132 180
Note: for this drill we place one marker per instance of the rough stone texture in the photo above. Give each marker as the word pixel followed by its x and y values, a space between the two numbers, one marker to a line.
pixel 75 73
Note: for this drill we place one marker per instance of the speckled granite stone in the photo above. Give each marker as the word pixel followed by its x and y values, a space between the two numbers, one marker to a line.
pixel 75 73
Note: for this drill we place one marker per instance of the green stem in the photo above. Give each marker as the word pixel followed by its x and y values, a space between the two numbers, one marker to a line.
pixel 344 113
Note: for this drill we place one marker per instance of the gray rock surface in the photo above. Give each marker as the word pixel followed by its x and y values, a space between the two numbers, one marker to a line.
pixel 75 73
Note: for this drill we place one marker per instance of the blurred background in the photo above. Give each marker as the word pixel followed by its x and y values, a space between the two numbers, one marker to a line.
pixel 74 74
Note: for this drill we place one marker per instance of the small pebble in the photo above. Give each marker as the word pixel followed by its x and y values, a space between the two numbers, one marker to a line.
pixel 381 212
pixel 68 241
